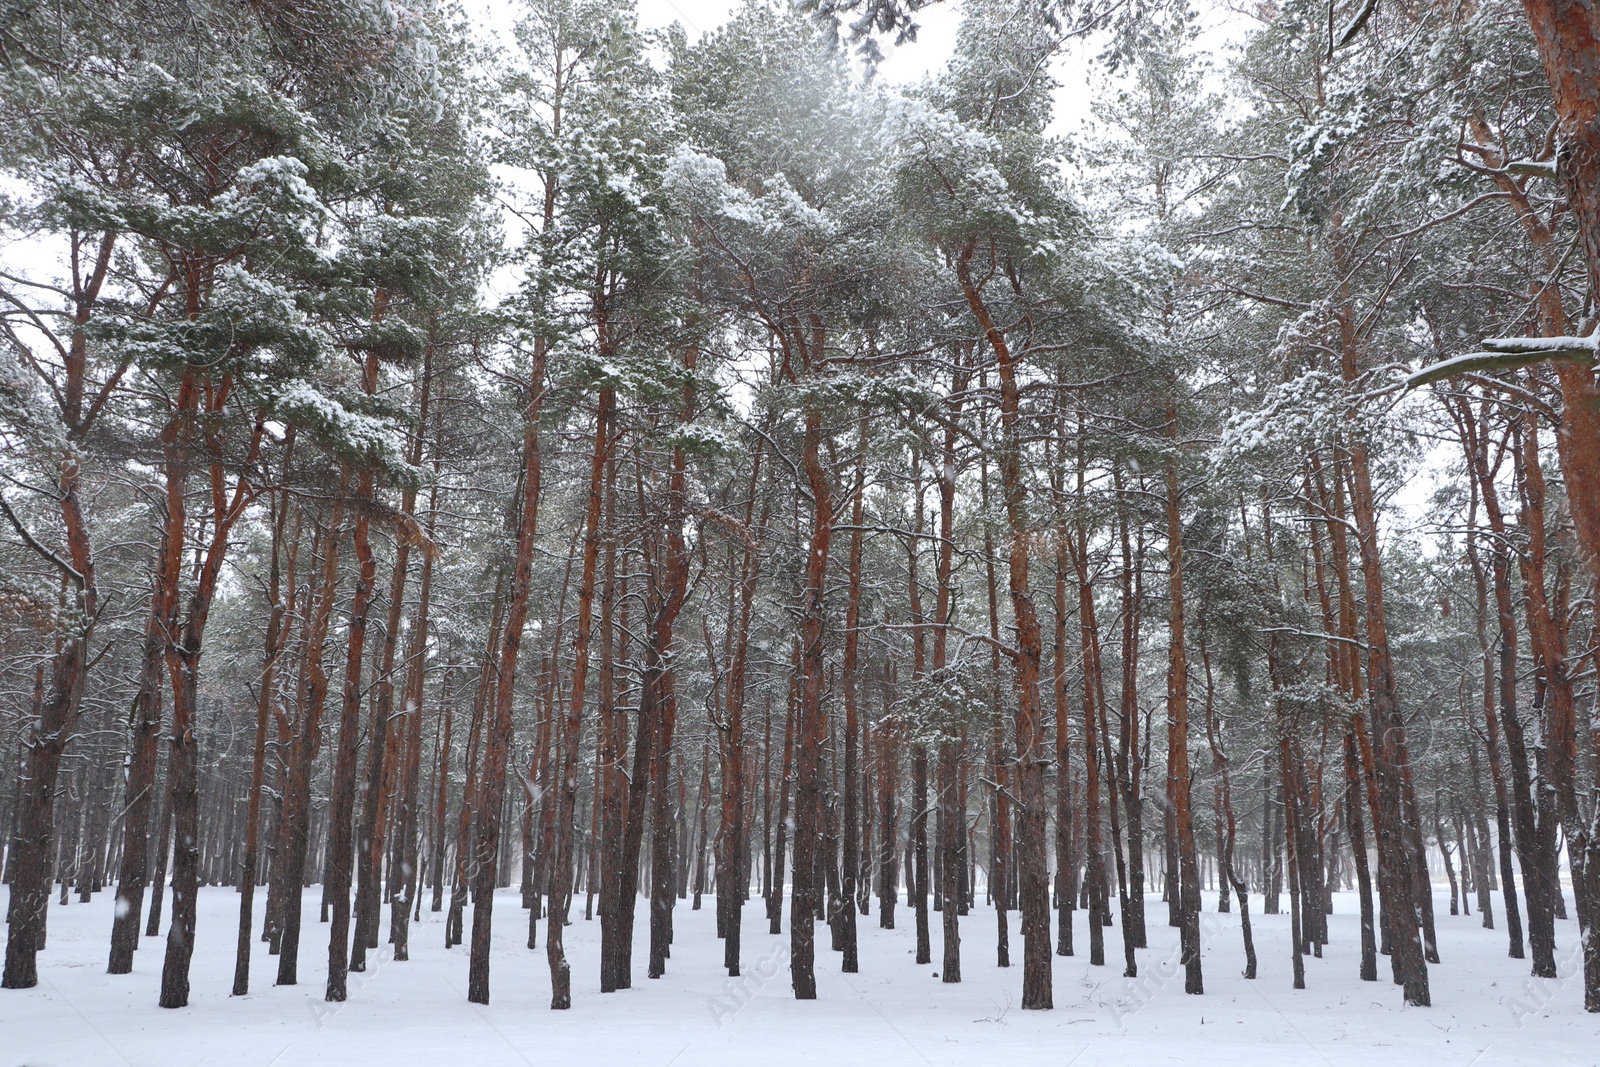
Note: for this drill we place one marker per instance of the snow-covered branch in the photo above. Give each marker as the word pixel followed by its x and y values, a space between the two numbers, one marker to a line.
pixel 1509 353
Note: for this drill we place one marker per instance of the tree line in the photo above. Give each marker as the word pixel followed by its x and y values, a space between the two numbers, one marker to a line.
pixel 651 468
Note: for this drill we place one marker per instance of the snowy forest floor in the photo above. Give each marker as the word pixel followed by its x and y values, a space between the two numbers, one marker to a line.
pixel 1486 1009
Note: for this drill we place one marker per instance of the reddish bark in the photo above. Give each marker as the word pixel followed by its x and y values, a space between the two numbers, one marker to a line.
pixel 482 709
pixel 376 800
pixel 1178 774
pixel 811 726
pixel 670 593
pixel 405 870
pixel 566 787
pixel 183 655
pixel 266 700
pixel 338 869
pixel 1567 34
pixel 1031 753
pixel 1395 868
pixel 503 653
pixel 1558 753
pixel 1523 816
pixel 313 691
pixel 732 842
pixel 145 722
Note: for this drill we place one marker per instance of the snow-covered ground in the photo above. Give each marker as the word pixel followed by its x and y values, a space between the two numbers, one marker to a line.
pixel 1486 1010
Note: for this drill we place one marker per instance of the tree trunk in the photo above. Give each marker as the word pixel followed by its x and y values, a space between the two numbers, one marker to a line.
pixel 1093 723
pixel 1353 800
pixel 671 593
pixel 1520 813
pixel 1003 845
pixel 145 721
pixel 559 885
pixel 850 964
pixel 918 860
pixel 1130 759
pixel 56 705
pixel 183 667
pixel 1567 35
pixel 811 724
pixel 731 835
pixel 1559 751
pixel 1228 830
pixel 1032 755
pixel 888 780
pixel 266 701
pixel 313 687
pixel 34 841
pixel 340 856
pixel 780 842
pixel 1394 868
pixel 612 788
pixel 1178 777
pixel 406 873
pixel 1066 862
pixel 376 800
pixel 441 807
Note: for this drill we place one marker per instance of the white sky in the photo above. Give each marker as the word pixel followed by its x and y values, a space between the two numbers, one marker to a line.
pixel 935 39
pixel 908 64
